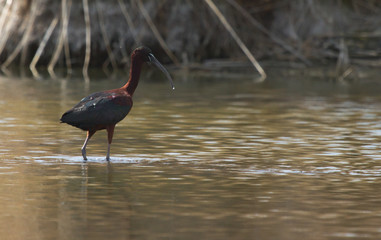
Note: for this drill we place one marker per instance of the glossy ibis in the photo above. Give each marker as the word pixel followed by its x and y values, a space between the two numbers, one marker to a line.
pixel 103 110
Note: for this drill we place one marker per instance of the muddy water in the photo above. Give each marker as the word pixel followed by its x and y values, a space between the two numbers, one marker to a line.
pixel 221 157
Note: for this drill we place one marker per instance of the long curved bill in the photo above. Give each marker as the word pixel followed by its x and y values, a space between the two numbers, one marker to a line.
pixel 155 62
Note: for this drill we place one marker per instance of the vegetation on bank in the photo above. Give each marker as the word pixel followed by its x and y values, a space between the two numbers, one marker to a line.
pixel 94 33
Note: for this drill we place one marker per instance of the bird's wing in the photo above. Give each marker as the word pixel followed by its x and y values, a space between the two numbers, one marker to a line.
pixel 98 109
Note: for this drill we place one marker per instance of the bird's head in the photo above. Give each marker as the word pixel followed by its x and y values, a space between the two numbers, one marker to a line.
pixel 145 54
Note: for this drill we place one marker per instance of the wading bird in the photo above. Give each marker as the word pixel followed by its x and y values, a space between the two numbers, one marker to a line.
pixel 103 110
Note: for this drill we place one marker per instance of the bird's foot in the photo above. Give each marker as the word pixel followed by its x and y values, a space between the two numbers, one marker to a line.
pixel 84 155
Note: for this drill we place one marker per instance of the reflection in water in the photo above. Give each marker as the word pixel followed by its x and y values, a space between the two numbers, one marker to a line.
pixel 215 159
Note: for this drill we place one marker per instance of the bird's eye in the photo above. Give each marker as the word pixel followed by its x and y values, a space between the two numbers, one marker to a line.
pixel 150 57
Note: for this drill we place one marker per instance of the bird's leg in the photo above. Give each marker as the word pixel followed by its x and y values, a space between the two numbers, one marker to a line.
pixel 89 134
pixel 110 134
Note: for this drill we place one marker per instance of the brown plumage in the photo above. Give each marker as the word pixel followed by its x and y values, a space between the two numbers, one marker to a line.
pixel 103 110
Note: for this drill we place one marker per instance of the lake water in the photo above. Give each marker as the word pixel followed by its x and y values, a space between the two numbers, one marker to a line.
pixel 221 157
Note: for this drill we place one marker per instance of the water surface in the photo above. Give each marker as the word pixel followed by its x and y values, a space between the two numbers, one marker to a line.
pixel 221 157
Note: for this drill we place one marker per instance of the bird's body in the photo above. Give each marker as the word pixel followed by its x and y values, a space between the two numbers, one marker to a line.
pixel 103 110
pixel 99 109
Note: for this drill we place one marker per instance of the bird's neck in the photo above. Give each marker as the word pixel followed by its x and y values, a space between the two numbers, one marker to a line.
pixel 132 83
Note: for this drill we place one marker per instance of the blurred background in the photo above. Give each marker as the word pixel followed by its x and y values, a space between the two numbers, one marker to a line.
pixel 70 34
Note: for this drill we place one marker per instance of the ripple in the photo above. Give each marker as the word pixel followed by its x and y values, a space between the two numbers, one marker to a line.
pixel 66 159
